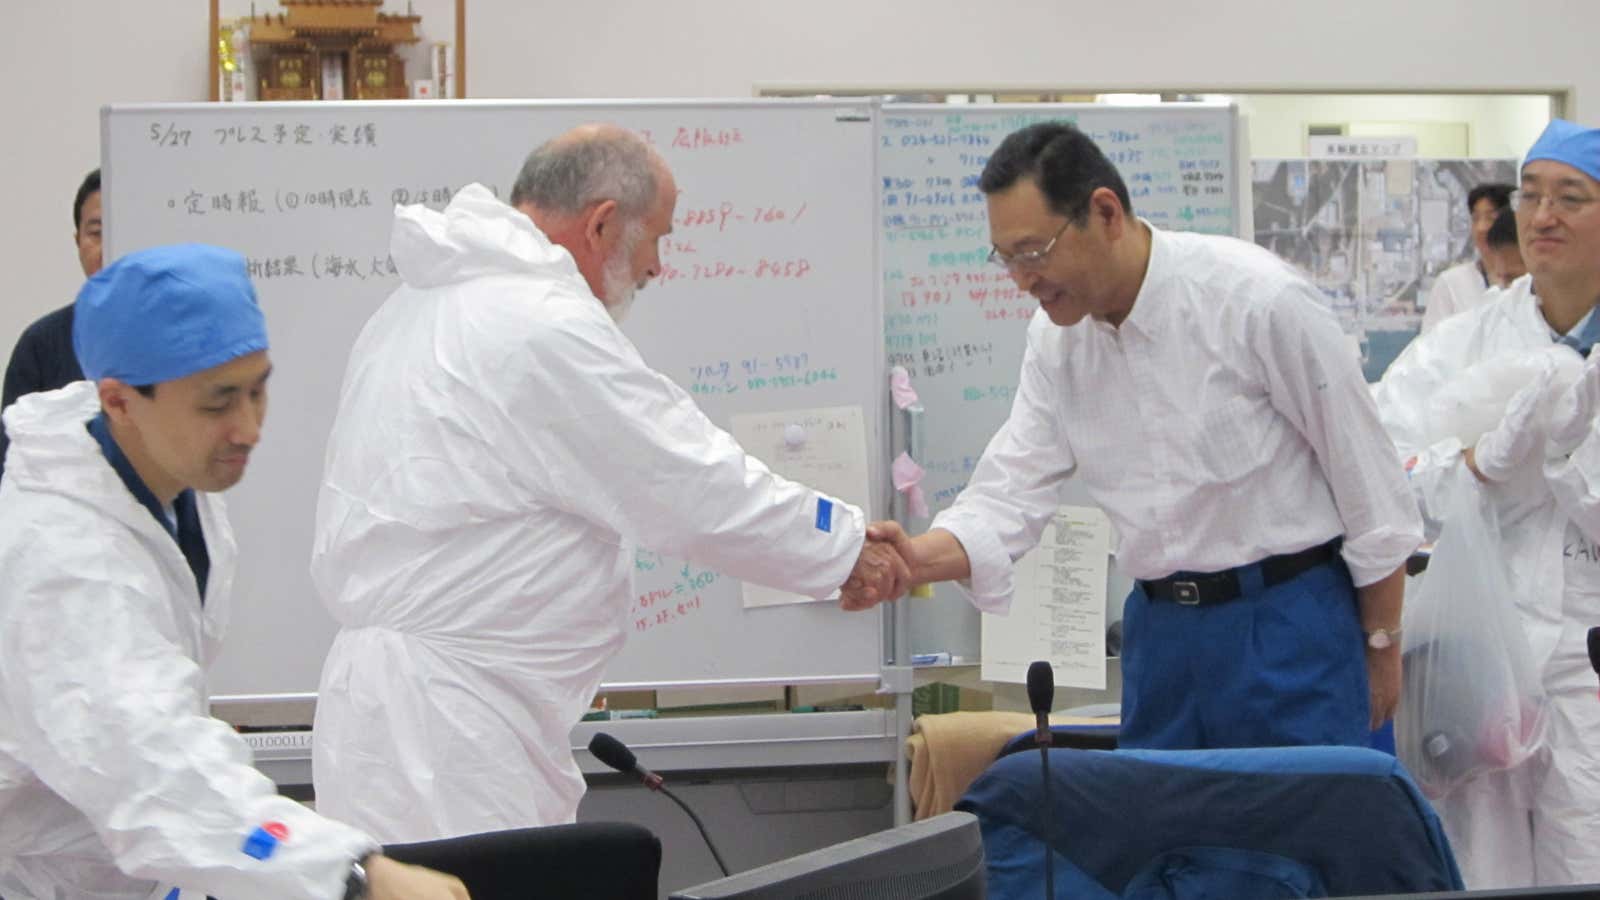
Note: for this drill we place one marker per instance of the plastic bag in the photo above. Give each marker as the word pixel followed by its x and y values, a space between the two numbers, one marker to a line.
pixel 1471 701
pixel 1474 401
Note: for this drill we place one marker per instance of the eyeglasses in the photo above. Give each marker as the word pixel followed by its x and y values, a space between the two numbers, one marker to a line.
pixel 1564 204
pixel 1024 260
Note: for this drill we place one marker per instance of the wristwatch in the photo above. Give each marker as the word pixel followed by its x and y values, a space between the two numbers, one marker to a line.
pixel 1383 638
pixel 355 884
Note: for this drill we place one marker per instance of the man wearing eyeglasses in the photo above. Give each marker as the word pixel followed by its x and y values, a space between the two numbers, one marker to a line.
pixel 1207 397
pixel 1535 824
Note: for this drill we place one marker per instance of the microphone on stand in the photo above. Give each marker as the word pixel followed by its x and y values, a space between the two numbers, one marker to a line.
pixel 1041 695
pixel 616 754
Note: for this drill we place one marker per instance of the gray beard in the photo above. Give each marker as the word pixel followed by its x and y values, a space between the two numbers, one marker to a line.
pixel 617 276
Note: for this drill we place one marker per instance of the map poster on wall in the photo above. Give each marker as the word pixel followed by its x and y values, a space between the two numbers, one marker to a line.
pixel 1372 235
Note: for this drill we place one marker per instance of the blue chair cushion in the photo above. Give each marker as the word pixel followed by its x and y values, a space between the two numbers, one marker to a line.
pixel 1125 823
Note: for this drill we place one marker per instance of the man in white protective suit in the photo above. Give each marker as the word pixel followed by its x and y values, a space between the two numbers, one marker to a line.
pixel 1537 823
pixel 1465 285
pixel 118 563
pixel 500 449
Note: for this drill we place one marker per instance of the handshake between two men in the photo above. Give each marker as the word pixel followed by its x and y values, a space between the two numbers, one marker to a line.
pixel 892 562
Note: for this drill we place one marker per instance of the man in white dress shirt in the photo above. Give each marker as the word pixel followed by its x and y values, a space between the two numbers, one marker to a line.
pixel 1464 286
pixel 1207 397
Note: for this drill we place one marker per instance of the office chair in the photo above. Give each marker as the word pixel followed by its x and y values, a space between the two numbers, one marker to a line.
pixel 593 860
pixel 1247 824
pixel 1075 737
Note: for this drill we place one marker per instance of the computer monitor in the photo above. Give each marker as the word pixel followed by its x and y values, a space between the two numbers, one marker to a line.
pixel 936 859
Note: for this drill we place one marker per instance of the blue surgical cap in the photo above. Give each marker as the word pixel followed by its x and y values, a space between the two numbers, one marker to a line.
pixel 164 313
pixel 1570 143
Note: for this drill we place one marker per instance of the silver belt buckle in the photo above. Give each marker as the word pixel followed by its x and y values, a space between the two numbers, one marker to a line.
pixel 1186 593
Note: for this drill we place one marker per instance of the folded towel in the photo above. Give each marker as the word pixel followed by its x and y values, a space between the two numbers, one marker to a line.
pixel 949 750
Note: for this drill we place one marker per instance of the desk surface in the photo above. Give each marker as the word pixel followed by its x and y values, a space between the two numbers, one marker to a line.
pixel 770 740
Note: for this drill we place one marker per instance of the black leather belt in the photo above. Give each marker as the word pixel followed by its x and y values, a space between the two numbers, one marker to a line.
pixel 1207 588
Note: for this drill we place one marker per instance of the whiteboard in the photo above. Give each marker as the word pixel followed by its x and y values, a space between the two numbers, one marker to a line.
pixel 769 300
pixel 958 323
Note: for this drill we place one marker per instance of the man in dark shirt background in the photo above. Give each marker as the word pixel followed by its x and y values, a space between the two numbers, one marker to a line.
pixel 43 359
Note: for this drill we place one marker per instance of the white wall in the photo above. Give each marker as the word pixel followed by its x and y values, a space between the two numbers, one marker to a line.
pixel 1498 126
pixel 724 47
pixel 65 60
pixel 69 57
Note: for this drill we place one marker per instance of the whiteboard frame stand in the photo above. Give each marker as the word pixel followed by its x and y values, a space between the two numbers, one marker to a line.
pixel 905 433
pixel 843 653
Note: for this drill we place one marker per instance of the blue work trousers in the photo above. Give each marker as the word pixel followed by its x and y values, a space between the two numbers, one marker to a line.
pixel 1277 666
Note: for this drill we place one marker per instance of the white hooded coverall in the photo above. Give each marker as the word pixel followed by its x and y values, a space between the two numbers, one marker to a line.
pixel 1539 823
pixel 115 782
pixel 500 449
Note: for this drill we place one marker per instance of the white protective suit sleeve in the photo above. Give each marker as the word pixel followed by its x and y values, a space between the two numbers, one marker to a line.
pixel 625 446
pixel 110 713
pixel 1404 398
pixel 1313 382
pixel 1014 490
pixel 1573 413
pixel 1447 391
pixel 1572 464
pixel 1519 442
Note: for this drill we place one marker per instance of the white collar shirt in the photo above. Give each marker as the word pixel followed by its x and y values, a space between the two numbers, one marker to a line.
pixel 1224 421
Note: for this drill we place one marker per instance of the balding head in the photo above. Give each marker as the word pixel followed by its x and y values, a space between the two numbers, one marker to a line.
pixel 603 194
pixel 587 165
